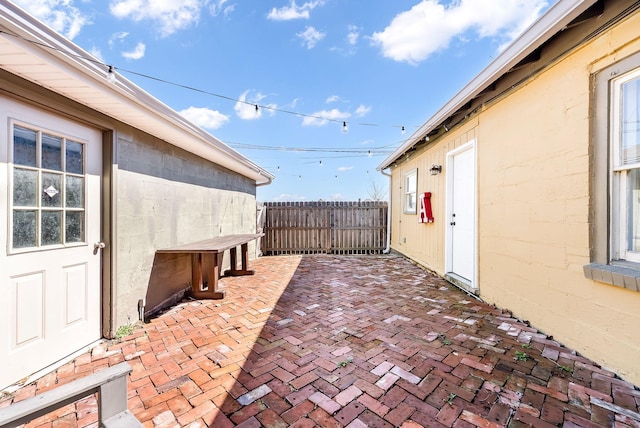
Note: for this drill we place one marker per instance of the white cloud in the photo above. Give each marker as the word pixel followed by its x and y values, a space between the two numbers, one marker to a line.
pixel 362 110
pixel 136 53
pixel 204 117
pixel 170 15
pixel 336 197
pixel 345 168
pixel 310 37
pixel 428 27
pixel 288 197
pixel 332 99
pixel 353 35
pixel 293 11
pixel 118 37
pixel 95 51
pixel 323 117
pixel 60 15
pixel 218 7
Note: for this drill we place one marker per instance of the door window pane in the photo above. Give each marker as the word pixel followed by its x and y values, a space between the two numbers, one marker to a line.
pixel 24 229
pixel 25 187
pixel 51 152
pixel 24 146
pixel 75 192
pixel 75 157
pixel 51 190
pixel 74 226
pixel 51 227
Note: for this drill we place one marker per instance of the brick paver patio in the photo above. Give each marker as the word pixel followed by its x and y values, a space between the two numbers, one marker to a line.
pixel 350 341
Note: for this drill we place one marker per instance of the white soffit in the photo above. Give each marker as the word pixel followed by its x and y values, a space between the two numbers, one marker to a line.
pixel 36 53
pixel 555 20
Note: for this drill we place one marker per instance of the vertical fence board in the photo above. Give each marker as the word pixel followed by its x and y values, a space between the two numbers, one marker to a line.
pixel 324 227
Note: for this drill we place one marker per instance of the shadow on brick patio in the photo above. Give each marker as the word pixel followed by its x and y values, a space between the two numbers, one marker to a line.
pixel 347 341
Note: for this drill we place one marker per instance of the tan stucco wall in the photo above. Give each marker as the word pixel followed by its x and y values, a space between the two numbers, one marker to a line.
pixel 165 197
pixel 533 208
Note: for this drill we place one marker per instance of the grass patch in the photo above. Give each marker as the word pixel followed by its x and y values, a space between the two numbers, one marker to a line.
pixel 124 331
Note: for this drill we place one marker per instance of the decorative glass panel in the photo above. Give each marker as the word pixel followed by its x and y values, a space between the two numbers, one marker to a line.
pixel 51 227
pixel 75 158
pixel 24 146
pixel 51 152
pixel 75 226
pixel 51 190
pixel 24 229
pixel 630 121
pixel 25 188
pixel 75 192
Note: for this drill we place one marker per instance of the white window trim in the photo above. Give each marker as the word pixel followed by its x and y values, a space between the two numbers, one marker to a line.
pixel 410 175
pixel 605 264
pixel 619 174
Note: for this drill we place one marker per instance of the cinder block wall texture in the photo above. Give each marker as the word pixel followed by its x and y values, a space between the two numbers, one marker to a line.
pixel 165 197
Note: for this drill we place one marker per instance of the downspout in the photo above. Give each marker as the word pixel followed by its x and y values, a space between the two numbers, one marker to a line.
pixel 387 250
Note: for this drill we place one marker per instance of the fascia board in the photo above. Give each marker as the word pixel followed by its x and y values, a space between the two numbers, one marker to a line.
pixel 551 23
pixel 156 118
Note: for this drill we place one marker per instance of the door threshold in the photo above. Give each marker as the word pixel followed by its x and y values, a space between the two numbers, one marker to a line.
pixel 463 283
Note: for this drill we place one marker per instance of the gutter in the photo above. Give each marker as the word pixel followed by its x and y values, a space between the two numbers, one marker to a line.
pixel 551 23
pixel 122 100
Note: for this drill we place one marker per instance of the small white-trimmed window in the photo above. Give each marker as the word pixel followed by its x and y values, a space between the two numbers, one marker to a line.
pixel 615 175
pixel 625 146
pixel 410 192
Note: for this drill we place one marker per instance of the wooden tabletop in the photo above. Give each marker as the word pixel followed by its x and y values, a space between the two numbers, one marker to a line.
pixel 213 245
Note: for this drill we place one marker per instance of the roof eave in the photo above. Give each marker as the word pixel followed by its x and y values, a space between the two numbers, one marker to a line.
pixel 552 22
pixel 154 117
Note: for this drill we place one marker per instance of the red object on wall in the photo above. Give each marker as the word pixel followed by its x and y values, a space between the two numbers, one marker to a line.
pixel 426 214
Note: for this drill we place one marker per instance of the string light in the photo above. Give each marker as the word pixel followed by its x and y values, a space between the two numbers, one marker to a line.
pixel 111 75
pixel 112 78
pixel 402 130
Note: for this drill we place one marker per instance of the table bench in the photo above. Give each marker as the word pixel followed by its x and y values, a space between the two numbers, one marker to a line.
pixel 206 261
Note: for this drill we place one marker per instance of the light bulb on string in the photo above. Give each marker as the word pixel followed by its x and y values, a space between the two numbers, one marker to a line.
pixel 111 75
pixel 344 127
pixel 403 130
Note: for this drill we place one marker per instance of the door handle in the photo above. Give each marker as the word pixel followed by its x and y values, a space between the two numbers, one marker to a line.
pixel 98 246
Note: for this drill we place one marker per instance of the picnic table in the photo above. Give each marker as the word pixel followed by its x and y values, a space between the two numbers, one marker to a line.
pixel 206 261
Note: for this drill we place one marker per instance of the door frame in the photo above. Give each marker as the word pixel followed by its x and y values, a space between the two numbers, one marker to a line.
pixel 469 286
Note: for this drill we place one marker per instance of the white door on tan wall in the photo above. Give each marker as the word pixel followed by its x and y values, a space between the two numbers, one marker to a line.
pixel 461 214
pixel 50 298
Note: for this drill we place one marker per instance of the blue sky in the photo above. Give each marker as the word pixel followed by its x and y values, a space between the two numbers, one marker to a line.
pixel 310 66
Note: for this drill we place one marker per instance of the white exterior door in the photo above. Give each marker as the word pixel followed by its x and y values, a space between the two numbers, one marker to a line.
pixel 461 214
pixel 51 287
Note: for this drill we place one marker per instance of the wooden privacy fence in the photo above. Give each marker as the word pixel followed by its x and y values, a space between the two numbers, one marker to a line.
pixel 324 227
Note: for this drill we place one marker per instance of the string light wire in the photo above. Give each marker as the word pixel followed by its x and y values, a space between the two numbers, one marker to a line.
pixel 112 68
